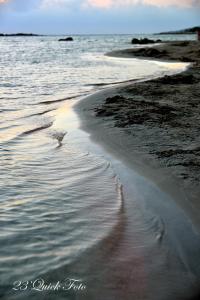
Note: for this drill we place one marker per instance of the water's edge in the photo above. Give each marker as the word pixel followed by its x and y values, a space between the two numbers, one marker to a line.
pixel 115 143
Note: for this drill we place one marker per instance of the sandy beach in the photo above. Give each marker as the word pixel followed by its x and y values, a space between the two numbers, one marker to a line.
pixel 153 128
pixel 154 125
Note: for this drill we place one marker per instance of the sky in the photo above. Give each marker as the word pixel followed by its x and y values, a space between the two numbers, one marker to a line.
pixel 97 16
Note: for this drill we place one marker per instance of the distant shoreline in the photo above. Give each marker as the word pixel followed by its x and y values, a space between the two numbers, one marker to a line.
pixel 20 34
pixel 192 30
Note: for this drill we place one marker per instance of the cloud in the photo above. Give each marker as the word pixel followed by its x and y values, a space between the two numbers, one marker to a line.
pixel 60 4
pixel 178 3
pixel 158 3
pixel 53 3
pixel 102 4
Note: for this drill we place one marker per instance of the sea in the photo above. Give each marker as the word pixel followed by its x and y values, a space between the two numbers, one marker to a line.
pixel 69 228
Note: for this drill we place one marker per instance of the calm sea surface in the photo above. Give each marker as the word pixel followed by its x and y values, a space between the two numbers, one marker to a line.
pixel 61 208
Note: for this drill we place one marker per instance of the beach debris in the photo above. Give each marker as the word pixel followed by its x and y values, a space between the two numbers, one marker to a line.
pixel 179 79
pixel 181 44
pixel 114 99
pixel 68 39
pixel 127 112
pixel 150 52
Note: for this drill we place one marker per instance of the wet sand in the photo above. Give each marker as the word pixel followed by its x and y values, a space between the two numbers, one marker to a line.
pixel 156 122
pixel 153 126
pixel 162 115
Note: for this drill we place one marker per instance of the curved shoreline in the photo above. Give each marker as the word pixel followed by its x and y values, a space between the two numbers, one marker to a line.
pixel 104 131
pixel 185 51
pixel 117 141
pixel 175 52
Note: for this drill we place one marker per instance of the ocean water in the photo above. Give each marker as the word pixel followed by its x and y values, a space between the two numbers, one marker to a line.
pixel 62 206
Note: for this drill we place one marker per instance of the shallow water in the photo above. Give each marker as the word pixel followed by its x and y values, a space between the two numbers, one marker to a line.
pixel 63 212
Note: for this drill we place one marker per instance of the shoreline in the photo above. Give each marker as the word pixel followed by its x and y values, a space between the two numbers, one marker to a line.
pixel 120 140
pixel 118 143
pixel 177 51
pixel 174 87
pixel 108 127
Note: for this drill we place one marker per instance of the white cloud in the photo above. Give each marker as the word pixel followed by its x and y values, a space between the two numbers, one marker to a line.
pixel 51 4
pixel 54 3
pixel 3 1
pixel 158 3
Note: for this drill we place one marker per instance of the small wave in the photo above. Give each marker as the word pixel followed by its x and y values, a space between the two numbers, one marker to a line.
pixel 35 62
pixel 37 129
pixel 12 98
pixel 158 227
pixel 7 109
pixel 10 85
pixel 113 83
pixel 39 113
pixel 61 100
pixel 119 189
